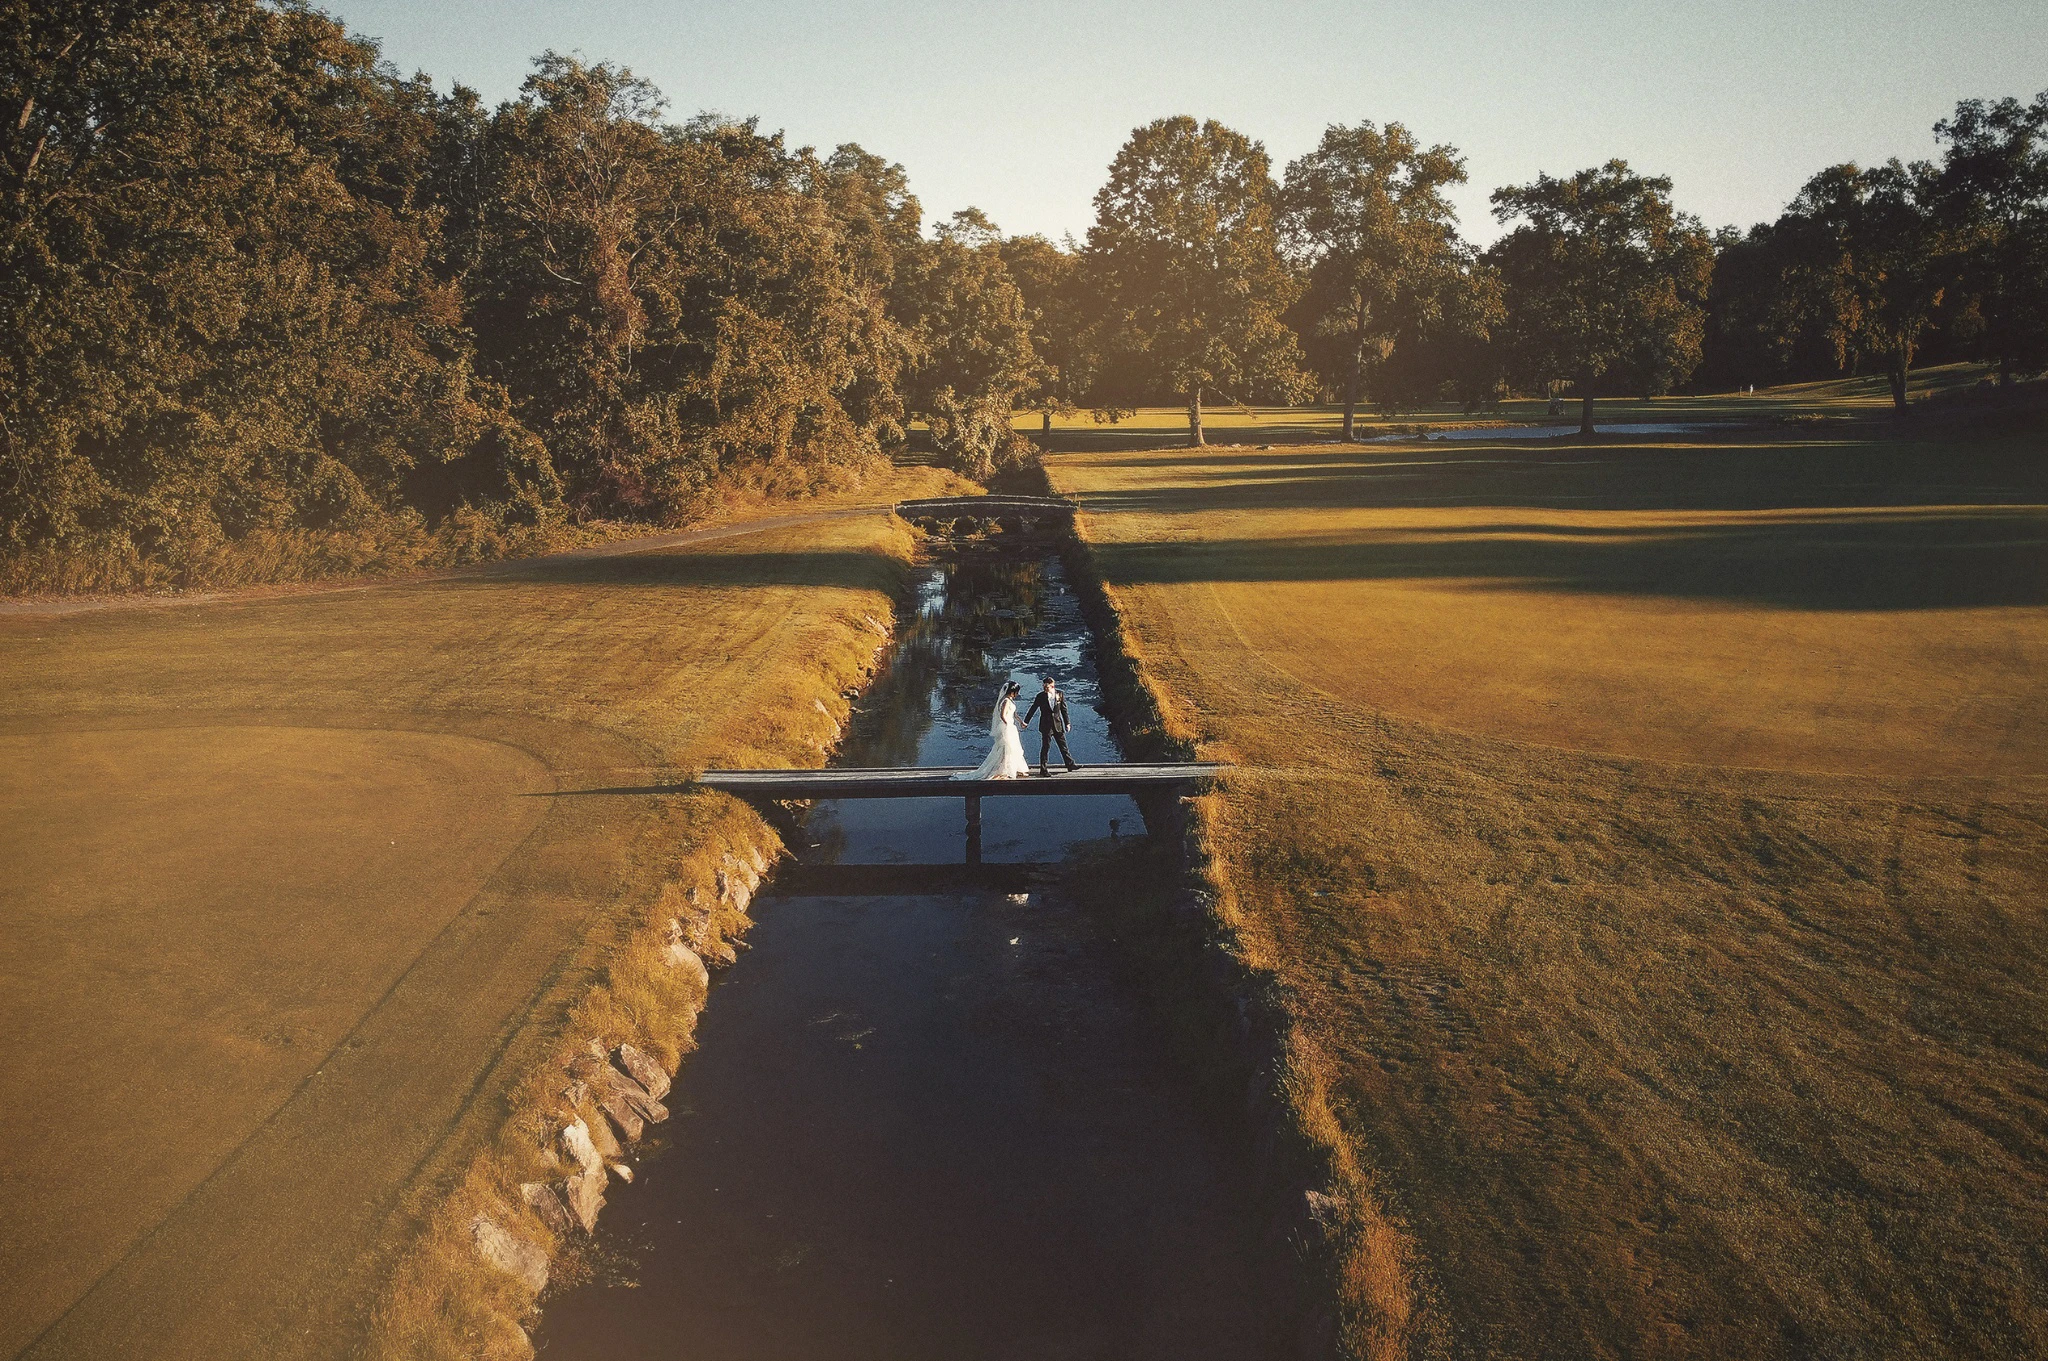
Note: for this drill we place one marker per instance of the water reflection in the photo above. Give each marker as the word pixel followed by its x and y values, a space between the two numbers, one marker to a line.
pixel 976 622
pixel 928 1119
pixel 948 656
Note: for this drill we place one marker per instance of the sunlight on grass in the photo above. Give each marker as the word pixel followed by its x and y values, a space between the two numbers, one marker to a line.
pixel 289 888
pixel 1651 836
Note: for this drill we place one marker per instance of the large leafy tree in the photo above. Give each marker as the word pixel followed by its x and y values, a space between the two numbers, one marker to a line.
pixel 1605 283
pixel 976 359
pixel 677 307
pixel 1993 196
pixel 1875 245
pixel 1186 248
pixel 216 308
pixel 1366 217
pixel 880 232
pixel 584 202
pixel 1063 317
pixel 1771 310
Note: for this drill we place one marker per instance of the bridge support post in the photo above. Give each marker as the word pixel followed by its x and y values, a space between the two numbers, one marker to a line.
pixel 974 829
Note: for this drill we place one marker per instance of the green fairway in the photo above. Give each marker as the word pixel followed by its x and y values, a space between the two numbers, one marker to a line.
pixel 1652 839
pixel 1248 424
pixel 293 894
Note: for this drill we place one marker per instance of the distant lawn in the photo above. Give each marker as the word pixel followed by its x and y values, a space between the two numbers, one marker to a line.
pixel 1280 424
pixel 1653 838
pixel 288 899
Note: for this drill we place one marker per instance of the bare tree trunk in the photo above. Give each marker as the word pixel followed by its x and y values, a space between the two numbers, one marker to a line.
pixel 1586 414
pixel 1351 401
pixel 1896 374
pixel 1195 440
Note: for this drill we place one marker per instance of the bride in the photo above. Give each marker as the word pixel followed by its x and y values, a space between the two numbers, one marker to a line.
pixel 1006 757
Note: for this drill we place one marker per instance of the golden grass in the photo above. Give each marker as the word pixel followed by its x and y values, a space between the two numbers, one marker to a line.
pixel 302 909
pixel 1651 841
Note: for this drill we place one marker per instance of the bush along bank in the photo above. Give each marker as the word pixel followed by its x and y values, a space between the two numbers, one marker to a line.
pixel 521 1211
pixel 1352 1282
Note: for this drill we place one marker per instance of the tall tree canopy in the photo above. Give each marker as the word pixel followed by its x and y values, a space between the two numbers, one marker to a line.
pixel 250 279
pixel 1366 217
pixel 672 307
pixel 216 308
pixel 1187 251
pixel 1993 195
pixel 1605 283
pixel 1771 309
pixel 976 359
pixel 1883 257
pixel 1063 315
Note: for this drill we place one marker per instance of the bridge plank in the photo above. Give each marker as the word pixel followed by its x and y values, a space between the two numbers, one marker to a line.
pixel 937 781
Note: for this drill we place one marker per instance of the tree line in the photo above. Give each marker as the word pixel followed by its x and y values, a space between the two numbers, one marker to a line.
pixel 254 279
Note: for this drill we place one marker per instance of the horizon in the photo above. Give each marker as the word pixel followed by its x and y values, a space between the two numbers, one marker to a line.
pixel 1550 92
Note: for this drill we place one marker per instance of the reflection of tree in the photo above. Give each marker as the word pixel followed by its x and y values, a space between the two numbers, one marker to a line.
pixel 942 663
pixel 897 714
pixel 830 837
pixel 988 600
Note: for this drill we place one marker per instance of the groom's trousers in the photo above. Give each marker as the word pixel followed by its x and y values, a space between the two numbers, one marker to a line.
pixel 1048 736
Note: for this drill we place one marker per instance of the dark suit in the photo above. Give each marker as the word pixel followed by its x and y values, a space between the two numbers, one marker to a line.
pixel 1051 712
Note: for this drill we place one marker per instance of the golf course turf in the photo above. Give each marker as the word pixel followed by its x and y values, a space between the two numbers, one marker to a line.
pixel 1651 839
pixel 298 888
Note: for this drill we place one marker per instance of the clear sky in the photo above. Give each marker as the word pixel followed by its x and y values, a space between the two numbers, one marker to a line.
pixel 1018 108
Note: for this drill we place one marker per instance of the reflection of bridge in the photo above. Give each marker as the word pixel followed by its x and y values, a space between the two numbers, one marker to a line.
pixel 829 879
pixel 1016 514
pixel 929 782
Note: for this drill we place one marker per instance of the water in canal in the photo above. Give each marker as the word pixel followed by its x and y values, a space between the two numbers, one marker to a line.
pixel 932 1119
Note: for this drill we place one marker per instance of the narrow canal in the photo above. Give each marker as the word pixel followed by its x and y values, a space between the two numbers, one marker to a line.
pixel 930 1117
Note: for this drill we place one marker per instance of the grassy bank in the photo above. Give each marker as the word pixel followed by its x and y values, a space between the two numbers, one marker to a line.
pixel 1647 841
pixel 316 893
pixel 1341 1262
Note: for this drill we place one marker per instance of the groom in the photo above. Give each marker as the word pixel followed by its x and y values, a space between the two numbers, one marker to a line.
pixel 1050 708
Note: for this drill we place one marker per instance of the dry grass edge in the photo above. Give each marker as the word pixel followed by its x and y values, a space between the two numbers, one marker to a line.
pixel 1362 1291
pixel 443 1299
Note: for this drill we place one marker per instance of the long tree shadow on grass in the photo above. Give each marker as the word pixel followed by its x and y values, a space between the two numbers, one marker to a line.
pixel 1935 559
pixel 1795 523
pixel 1616 477
pixel 696 567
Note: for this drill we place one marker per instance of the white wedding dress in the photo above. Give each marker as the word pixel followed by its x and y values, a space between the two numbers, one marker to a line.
pixel 1006 752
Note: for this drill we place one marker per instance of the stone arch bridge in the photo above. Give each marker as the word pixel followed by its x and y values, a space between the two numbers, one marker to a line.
pixel 949 516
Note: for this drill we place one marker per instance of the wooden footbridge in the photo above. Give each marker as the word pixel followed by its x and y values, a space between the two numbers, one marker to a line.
pixel 940 782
